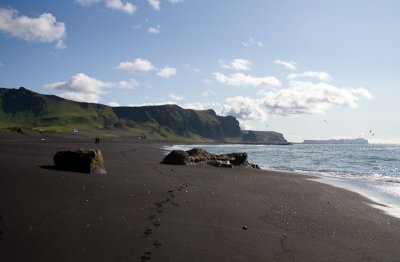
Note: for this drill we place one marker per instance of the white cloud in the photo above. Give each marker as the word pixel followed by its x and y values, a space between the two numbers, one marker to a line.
pixel 131 84
pixel 362 92
pixel 113 104
pixel 167 72
pixel 155 4
pixel 127 7
pixel 175 97
pixel 139 64
pixel 238 64
pixel 81 88
pixel 200 106
pixel 175 1
pixel 309 98
pixel 251 42
pixel 240 79
pixel 321 75
pixel 244 108
pixel 299 98
pixel 288 64
pixel 86 2
pixel 154 30
pixel 2 65
pixel 118 5
pixel 44 28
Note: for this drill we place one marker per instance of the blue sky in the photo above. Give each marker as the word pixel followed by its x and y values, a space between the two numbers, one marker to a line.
pixel 309 69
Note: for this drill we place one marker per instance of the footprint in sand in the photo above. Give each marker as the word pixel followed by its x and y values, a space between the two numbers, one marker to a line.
pixel 157 244
pixel 146 256
pixel 171 193
pixel 148 232
pixel 156 224
pixel 151 217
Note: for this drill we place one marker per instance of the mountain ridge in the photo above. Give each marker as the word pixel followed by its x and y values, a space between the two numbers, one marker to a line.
pixel 27 109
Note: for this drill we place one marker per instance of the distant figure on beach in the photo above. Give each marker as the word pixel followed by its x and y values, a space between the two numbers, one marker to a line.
pixel 97 141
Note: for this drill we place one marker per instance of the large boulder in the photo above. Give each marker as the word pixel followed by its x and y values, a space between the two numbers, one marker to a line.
pixel 238 159
pixel 198 156
pixel 176 157
pixel 81 160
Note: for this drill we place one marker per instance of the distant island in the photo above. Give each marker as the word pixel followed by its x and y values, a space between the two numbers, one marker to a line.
pixel 356 141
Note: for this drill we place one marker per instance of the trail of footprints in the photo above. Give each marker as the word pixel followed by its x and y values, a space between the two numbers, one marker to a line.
pixel 1 220
pixel 160 207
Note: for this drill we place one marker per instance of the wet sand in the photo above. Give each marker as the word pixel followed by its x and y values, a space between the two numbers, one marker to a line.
pixel 145 211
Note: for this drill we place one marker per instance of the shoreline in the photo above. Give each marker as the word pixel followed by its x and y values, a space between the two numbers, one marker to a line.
pixel 385 202
pixel 143 210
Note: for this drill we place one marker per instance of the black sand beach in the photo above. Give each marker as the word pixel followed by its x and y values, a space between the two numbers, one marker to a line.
pixel 145 211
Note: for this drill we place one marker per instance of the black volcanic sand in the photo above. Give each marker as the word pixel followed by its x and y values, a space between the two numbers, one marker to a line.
pixel 145 211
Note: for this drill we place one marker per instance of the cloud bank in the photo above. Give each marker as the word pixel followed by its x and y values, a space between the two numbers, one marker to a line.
pixel 300 98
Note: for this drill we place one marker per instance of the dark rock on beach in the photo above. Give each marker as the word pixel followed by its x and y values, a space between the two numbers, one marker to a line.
pixel 198 156
pixel 81 160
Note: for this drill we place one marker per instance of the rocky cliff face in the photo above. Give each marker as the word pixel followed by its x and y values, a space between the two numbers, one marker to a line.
pixel 183 122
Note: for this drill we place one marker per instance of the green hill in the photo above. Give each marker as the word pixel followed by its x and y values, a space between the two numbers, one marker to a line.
pixel 24 108
pixel 268 137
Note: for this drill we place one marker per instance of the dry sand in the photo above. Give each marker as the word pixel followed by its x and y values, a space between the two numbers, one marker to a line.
pixel 145 211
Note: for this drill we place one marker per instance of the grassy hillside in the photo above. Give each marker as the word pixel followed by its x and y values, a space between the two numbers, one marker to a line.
pixel 24 108
pixel 268 137
pixel 179 121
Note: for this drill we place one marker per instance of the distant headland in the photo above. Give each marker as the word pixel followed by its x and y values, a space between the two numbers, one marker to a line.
pixel 357 141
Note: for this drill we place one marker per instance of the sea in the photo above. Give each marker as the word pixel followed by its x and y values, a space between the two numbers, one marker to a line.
pixel 372 170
